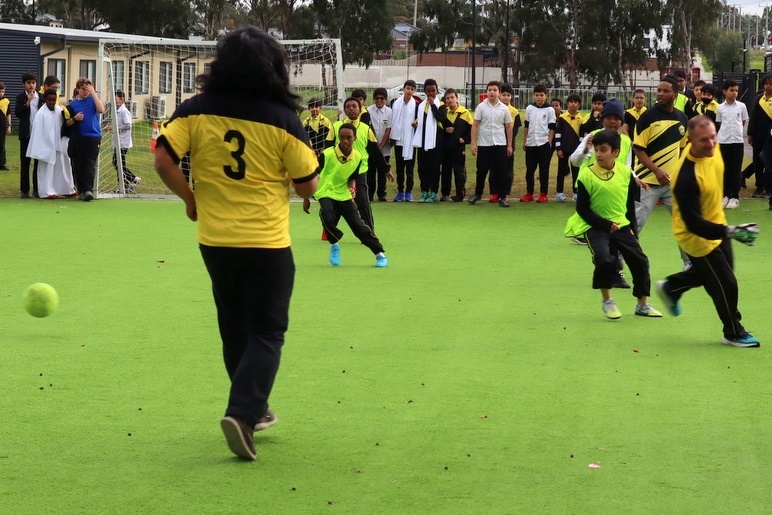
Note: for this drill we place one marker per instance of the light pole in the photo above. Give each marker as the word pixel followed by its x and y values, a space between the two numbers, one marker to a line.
pixel 474 50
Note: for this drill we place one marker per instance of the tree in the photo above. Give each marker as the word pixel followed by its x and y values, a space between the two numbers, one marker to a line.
pixel 364 27
pixel 725 51
pixel 16 11
pixel 689 18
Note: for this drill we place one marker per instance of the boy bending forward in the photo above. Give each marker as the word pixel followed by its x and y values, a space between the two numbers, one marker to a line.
pixel 605 202
pixel 338 168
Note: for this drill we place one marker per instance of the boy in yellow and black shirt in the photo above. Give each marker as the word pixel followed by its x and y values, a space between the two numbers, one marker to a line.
pixel 458 128
pixel 567 131
pixel 700 226
pixel 605 202
pixel 339 167
pixel 759 125
pixel 708 105
pixel 317 126
pixel 5 125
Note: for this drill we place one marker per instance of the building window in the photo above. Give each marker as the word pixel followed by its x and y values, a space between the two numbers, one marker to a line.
pixel 141 77
pixel 119 75
pixel 189 77
pixel 58 68
pixel 88 69
pixel 165 77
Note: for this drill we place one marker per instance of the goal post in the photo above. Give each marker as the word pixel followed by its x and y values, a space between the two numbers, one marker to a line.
pixel 156 77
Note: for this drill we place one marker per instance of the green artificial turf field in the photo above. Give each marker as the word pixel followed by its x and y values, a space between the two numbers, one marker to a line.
pixel 475 374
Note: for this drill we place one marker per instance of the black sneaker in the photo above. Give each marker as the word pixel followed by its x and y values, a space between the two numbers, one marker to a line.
pixel 457 198
pixel 239 438
pixel 503 202
pixel 473 199
pixel 620 282
pixel 270 419
pixel 578 240
pixel 3 168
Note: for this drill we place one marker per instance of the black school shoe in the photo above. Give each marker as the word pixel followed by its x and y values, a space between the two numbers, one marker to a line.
pixel 239 437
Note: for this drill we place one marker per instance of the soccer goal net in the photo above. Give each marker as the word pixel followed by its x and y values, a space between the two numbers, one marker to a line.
pixel 155 78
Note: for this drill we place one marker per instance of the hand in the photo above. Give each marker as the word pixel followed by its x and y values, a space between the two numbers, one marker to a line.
pixel 190 210
pixel 642 184
pixel 750 140
pixel 450 130
pixel 614 227
pixel 108 128
pixel 474 149
pixel 414 123
pixel 390 176
pixel 306 206
pixel 8 130
pixel 744 233
pixel 509 151
pixel 78 117
pixel 560 154
pixel 662 177
pixel 588 146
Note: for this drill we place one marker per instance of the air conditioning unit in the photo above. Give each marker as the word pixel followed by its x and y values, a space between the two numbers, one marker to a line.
pixel 161 107
pixel 133 106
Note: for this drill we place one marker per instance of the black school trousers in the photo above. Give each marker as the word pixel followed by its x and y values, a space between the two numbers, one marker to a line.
pixel 331 212
pixel 538 157
pixel 252 289
pixel 604 246
pixel 492 159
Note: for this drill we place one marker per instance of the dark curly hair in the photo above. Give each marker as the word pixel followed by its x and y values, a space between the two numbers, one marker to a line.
pixel 249 59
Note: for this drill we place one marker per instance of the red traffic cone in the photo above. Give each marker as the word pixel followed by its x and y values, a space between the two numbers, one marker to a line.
pixel 154 138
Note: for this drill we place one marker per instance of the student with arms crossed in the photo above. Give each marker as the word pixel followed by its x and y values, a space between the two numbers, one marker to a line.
pixel 700 226
pixel 246 146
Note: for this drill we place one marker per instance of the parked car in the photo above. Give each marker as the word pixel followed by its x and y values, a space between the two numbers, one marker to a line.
pixel 396 91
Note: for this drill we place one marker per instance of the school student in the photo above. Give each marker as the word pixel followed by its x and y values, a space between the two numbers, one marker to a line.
pixel 567 131
pixel 458 128
pixel 538 133
pixel 731 117
pixel 492 144
pixel 606 205
pixel 404 112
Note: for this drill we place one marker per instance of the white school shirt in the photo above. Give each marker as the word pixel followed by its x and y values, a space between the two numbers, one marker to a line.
pixel 380 120
pixel 124 126
pixel 731 118
pixel 538 120
pixel 493 118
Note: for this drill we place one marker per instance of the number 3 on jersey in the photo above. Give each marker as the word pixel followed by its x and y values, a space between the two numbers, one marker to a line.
pixel 241 168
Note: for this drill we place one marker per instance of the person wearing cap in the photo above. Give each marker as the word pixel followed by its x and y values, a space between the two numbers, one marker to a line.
pixel 317 126
pixel 659 137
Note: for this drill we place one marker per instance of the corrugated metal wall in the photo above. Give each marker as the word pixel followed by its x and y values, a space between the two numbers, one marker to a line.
pixel 19 54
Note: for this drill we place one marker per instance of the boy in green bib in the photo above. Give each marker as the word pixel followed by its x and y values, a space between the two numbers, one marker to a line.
pixel 606 204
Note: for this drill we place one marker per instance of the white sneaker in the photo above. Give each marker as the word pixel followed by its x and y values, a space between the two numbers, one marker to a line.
pixel 560 197
pixel 610 309
pixel 733 203
pixel 574 197
pixel 724 201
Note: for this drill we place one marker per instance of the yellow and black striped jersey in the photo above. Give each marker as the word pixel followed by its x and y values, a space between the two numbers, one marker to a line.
pixel 243 153
pixel 661 135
